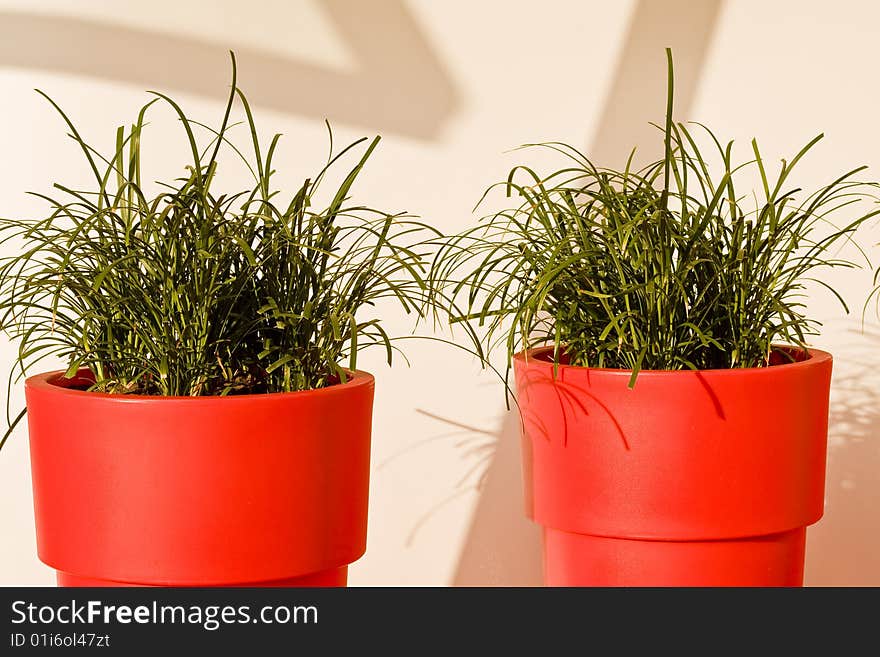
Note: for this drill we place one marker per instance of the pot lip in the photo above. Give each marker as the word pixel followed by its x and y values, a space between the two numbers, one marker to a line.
pixel 814 357
pixel 47 382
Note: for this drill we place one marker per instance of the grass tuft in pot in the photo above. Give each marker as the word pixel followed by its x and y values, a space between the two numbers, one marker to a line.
pixel 669 438
pixel 195 290
pixel 673 266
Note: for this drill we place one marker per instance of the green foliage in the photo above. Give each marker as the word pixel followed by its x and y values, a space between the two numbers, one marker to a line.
pixel 666 268
pixel 195 291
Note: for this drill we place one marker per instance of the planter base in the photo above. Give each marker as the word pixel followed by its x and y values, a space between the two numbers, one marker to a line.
pixel 331 577
pixel 581 560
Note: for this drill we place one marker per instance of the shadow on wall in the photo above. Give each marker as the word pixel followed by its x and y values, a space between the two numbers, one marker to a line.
pixel 476 446
pixel 503 548
pixel 399 84
pixel 843 549
pixel 638 92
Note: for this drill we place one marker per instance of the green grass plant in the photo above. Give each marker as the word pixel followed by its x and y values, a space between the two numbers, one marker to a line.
pixel 195 290
pixel 669 267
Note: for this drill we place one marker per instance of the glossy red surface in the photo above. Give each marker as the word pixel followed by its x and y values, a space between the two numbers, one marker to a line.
pixel 331 577
pixel 199 491
pixel 572 559
pixel 701 456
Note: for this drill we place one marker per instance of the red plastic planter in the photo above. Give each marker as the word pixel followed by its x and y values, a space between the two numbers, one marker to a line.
pixel 703 478
pixel 245 490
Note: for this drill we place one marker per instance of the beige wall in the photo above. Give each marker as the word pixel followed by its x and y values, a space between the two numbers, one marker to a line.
pixel 451 86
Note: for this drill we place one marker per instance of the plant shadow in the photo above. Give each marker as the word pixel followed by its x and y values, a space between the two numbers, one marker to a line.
pixel 503 547
pixel 842 548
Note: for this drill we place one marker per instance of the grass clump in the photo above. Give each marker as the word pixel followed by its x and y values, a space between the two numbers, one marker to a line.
pixel 197 291
pixel 670 267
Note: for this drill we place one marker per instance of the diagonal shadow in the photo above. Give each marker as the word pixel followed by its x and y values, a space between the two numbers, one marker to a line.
pixel 639 86
pixel 502 547
pixel 399 85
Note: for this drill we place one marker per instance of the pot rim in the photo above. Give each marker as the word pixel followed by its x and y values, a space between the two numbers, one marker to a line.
pixel 814 357
pixel 48 381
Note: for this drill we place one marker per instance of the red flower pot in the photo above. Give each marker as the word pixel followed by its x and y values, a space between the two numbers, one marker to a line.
pixel 245 490
pixel 705 478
